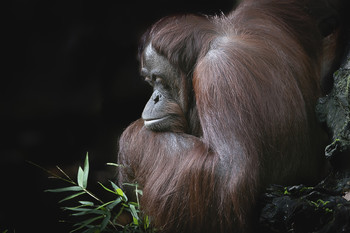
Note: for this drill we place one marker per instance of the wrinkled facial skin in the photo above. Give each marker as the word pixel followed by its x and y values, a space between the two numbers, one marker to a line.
pixel 163 111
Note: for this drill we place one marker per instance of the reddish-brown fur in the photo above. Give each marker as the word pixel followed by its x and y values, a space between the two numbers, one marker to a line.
pixel 250 81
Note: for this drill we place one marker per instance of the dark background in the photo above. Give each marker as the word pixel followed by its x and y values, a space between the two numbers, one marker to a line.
pixel 69 85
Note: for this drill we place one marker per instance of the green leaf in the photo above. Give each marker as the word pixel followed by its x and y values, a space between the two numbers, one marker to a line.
pixel 80 177
pixel 86 223
pixel 139 191
pixel 115 187
pixel 115 164
pixel 133 212
pixel 105 221
pixel 71 196
pixel 135 221
pixel 86 170
pixel 114 203
pixel 146 222
pixel 120 192
pixel 110 205
pixel 107 189
pixel 131 184
pixel 66 189
pixel 87 203
pixel 85 211
pixel 133 203
pixel 77 208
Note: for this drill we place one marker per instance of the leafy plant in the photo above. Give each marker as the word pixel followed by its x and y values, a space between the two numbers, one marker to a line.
pixel 99 216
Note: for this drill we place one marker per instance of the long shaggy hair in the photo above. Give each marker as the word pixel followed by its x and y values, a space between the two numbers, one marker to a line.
pixel 251 80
